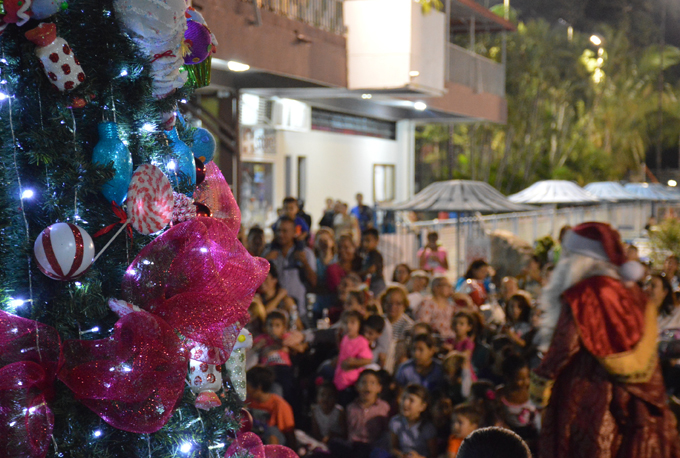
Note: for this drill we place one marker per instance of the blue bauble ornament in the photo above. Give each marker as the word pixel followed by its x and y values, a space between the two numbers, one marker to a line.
pixel 204 145
pixel 111 149
pixel 184 157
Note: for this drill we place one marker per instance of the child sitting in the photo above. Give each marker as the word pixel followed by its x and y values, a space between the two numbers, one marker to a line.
pixel 465 419
pixel 483 397
pixel 423 369
pixel 411 435
pixel 519 325
pixel 464 327
pixel 458 376
pixel 519 413
pixel 372 261
pixel 268 408
pixel 372 329
pixel 367 418
pixel 269 345
pixel 441 419
pixel 355 353
pixel 272 352
pixel 328 418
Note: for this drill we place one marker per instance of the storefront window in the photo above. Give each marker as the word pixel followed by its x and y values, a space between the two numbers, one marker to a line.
pixel 257 194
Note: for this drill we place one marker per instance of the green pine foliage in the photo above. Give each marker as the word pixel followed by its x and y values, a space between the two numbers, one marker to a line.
pixel 47 147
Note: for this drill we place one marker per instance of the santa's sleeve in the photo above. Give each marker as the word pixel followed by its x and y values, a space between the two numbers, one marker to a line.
pixel 565 344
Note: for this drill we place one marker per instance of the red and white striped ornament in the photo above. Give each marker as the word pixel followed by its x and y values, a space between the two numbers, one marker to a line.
pixel 64 251
pixel 149 200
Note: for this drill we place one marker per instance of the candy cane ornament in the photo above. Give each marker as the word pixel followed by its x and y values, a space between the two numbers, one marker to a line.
pixel 150 201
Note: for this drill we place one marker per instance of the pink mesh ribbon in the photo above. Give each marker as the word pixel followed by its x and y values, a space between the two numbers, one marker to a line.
pixel 215 194
pixel 29 356
pixel 251 443
pixel 199 279
pixel 133 379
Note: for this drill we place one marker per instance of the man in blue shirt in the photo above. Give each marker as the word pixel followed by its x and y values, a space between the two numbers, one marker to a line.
pixel 291 210
pixel 363 213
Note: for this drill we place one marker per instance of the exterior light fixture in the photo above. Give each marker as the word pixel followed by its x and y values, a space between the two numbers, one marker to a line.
pixel 594 39
pixel 413 73
pixel 366 96
pixel 237 66
pixel 420 106
pixel 672 183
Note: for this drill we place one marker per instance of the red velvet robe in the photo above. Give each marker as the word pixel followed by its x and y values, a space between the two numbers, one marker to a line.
pixel 593 411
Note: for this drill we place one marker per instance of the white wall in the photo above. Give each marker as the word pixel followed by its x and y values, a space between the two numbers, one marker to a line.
pixel 388 39
pixel 339 166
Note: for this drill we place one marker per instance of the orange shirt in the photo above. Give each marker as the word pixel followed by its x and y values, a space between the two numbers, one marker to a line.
pixel 454 445
pixel 280 412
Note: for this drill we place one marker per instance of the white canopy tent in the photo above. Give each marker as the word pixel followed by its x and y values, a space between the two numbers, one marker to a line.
pixel 610 191
pixel 459 196
pixel 556 192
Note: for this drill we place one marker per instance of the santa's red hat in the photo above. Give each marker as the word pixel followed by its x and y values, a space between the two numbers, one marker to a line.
pixel 603 242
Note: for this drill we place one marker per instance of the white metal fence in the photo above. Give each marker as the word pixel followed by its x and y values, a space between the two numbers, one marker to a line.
pixel 402 245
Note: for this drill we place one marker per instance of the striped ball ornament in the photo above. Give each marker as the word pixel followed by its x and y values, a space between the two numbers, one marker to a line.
pixel 64 251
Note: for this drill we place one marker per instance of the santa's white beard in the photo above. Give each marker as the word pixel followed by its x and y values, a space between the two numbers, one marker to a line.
pixel 571 269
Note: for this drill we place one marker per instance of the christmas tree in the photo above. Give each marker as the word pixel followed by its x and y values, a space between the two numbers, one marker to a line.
pixel 94 355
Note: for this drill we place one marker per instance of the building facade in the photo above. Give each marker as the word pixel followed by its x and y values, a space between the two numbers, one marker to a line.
pixel 319 98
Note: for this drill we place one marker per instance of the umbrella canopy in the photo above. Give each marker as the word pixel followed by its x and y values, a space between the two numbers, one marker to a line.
pixel 610 190
pixel 459 196
pixel 554 192
pixel 651 191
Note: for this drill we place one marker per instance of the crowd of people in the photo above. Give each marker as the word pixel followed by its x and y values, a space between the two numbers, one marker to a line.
pixel 349 361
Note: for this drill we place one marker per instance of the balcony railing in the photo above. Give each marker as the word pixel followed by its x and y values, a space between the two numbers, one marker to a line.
pixel 475 71
pixel 322 14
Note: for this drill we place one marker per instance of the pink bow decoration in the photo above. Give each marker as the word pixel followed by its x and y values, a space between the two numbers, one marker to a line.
pixel 250 443
pixel 29 357
pixel 133 379
pixel 215 194
pixel 199 279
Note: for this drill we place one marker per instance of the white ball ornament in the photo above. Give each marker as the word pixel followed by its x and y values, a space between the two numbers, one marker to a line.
pixel 64 251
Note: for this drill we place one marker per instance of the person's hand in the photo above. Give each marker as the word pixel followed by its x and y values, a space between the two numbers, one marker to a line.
pixel 345 366
pixel 282 293
pixel 272 255
pixel 412 454
pixel 293 338
pixel 299 255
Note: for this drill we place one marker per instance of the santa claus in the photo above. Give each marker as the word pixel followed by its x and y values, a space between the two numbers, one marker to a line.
pixel 599 380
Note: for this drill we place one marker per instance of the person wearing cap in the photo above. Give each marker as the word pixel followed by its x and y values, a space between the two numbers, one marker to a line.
pixel 599 380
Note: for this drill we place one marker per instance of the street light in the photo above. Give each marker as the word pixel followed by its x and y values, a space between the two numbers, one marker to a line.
pixel 594 39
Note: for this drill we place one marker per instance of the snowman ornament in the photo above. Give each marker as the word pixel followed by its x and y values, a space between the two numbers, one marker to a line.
pixel 204 379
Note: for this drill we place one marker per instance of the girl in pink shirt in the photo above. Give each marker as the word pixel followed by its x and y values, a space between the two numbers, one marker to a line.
pixel 355 352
